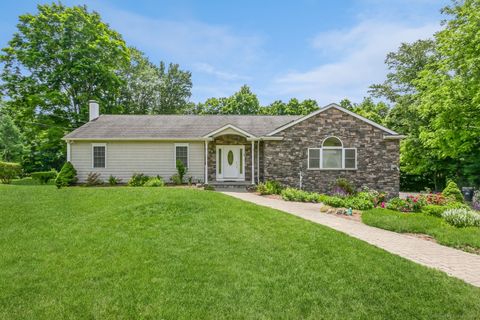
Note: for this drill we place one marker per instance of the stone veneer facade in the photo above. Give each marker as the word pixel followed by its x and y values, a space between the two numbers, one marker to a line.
pixel 231 139
pixel 377 158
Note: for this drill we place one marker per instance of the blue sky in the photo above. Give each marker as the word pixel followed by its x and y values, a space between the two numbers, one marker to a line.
pixel 324 50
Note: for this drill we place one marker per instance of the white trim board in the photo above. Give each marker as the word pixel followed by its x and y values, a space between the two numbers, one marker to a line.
pixel 336 106
pixel 229 126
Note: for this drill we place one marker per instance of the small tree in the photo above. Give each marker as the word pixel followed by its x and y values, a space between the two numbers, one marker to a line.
pixel 8 171
pixel 181 170
pixel 67 176
pixel 452 191
pixel 11 147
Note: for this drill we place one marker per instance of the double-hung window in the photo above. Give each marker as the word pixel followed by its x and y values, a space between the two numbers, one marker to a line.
pixel 332 155
pixel 181 153
pixel 99 155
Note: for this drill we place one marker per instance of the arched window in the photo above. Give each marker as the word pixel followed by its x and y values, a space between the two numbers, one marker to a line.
pixel 332 155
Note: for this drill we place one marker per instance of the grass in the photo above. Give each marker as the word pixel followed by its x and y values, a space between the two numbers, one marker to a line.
pixel 121 253
pixel 463 238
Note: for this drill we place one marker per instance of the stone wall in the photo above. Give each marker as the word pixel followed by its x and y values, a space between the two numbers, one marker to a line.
pixel 377 159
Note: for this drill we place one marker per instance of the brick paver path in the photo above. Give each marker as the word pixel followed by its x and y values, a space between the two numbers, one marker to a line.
pixel 460 264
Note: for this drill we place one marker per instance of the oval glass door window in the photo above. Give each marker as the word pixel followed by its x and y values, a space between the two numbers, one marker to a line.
pixel 230 157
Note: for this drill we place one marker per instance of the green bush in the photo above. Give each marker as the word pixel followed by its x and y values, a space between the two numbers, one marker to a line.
pixel 342 187
pixel 44 177
pixel 8 171
pixel 452 191
pixel 138 180
pixel 208 187
pixel 358 203
pixel 462 218
pixel 176 179
pixel 154 182
pixel 333 201
pixel 93 179
pixel 269 187
pixel 113 181
pixel 398 204
pixel 292 194
pixel 181 171
pixel 438 210
pixel 67 176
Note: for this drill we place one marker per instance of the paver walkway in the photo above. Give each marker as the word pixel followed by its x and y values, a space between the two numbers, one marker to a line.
pixel 460 264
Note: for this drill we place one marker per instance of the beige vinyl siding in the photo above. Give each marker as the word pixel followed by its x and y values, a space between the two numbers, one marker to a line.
pixel 126 158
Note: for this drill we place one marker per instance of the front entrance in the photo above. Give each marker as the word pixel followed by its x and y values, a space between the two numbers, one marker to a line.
pixel 230 163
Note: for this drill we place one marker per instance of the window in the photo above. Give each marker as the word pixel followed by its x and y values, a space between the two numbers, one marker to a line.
pixel 99 155
pixel 219 161
pixel 332 155
pixel 181 153
pixel 241 161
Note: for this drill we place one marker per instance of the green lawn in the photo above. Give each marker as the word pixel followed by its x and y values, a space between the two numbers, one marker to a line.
pixel 463 238
pixel 123 253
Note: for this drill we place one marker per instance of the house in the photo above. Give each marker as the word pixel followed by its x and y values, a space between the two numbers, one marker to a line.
pixel 301 151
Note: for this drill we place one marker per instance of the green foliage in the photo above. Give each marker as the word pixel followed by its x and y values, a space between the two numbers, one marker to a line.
pixel 43 177
pixel 11 147
pixel 342 187
pixel 8 171
pixel 67 176
pixel 292 194
pixel 155 182
pixel 152 89
pixel 113 181
pixel 181 171
pixel 269 187
pixel 462 218
pixel 438 210
pixel 452 190
pixel 93 179
pixel 333 201
pixel 293 107
pixel 138 180
pixel 208 187
pixel 376 112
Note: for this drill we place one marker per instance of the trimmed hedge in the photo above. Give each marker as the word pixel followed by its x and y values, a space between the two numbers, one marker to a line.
pixel 438 210
pixel 44 177
pixel 9 170
pixel 67 176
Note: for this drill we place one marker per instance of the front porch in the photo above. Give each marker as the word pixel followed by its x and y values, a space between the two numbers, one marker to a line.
pixel 233 159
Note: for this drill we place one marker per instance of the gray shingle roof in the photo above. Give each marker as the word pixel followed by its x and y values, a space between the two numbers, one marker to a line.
pixel 173 126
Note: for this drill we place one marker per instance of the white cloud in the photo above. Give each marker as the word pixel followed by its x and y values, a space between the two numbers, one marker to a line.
pixel 222 75
pixel 357 60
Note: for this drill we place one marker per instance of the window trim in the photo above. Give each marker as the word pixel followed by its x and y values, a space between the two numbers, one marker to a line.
pixel 93 162
pixel 342 148
pixel 175 153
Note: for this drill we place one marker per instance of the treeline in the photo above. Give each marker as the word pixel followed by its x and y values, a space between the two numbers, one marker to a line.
pixel 61 57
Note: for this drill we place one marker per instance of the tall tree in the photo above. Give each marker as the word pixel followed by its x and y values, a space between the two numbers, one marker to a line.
pixel 11 145
pixel 58 59
pixel 293 107
pixel 241 102
pixel 152 89
pixel 375 111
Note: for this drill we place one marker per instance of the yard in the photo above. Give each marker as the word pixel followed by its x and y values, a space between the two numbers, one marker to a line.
pixel 183 253
pixel 467 239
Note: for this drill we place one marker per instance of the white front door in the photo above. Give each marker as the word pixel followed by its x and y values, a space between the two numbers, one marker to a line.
pixel 231 163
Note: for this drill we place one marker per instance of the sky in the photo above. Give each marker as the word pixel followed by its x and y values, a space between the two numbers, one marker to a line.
pixel 305 49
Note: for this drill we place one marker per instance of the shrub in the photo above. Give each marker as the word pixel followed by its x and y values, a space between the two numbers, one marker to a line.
pixel 452 191
pixel 93 179
pixel 437 210
pixel 435 198
pixel 292 194
pixel 398 204
pixel 342 187
pixel 154 182
pixel 113 181
pixel 374 196
pixel 358 203
pixel 462 218
pixel 67 176
pixel 410 204
pixel 181 171
pixel 176 179
pixel 269 187
pixel 138 180
pixel 332 201
pixel 8 171
pixel 44 177
pixel 208 187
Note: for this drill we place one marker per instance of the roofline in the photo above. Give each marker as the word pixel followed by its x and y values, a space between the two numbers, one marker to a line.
pixel 229 126
pixel 137 139
pixel 336 106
